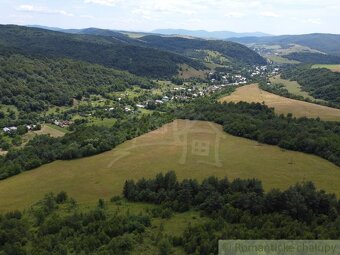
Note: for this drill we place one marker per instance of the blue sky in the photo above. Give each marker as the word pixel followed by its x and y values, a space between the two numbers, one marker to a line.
pixel 270 16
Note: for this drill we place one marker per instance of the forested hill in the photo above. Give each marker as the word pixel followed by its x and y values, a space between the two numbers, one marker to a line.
pixel 327 43
pixel 319 82
pixel 233 51
pixel 312 58
pixel 104 50
pixel 35 84
pixel 188 47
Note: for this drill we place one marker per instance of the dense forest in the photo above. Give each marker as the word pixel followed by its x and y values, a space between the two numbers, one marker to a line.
pixel 234 52
pixel 258 122
pixel 104 50
pixel 327 43
pixel 56 226
pixel 33 84
pixel 240 209
pixel 280 89
pixel 184 46
pixel 321 83
pixel 313 58
pixel 83 141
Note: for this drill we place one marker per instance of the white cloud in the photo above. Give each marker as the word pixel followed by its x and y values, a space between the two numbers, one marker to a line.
pixel 315 21
pixel 235 14
pixel 269 14
pixel 143 13
pixel 103 2
pixel 87 16
pixel 42 10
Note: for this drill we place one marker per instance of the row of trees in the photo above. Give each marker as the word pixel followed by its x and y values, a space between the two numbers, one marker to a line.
pixel 83 141
pixel 240 209
pixel 280 89
pixel 258 122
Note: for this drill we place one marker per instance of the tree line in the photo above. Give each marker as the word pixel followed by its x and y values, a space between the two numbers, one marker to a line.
pixel 280 89
pixel 321 83
pixel 230 210
pixel 258 122
pixel 240 209
pixel 82 142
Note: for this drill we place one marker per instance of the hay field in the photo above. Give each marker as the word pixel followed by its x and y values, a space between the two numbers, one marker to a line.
pixel 194 149
pixel 334 68
pixel 252 93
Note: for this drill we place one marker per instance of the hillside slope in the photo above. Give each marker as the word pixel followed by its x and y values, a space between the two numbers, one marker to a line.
pixel 233 51
pixel 170 147
pixel 104 50
pixel 320 83
pixel 252 93
pixel 327 43
pixel 33 84
pixel 206 34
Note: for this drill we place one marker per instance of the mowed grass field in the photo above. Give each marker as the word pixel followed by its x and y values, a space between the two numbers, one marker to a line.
pixel 187 72
pixel 293 87
pixel 334 68
pixel 252 93
pixel 194 149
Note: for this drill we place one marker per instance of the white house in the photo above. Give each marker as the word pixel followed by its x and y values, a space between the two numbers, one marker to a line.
pixel 9 129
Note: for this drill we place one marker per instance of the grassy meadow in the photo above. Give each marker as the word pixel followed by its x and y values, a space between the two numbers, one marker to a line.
pixel 252 93
pixel 188 72
pixel 293 87
pixel 281 60
pixel 194 149
pixel 334 68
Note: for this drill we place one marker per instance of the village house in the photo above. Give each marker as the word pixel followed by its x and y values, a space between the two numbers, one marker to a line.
pixel 9 129
pixel 62 123
pixel 165 99
pixel 31 127
pixel 159 102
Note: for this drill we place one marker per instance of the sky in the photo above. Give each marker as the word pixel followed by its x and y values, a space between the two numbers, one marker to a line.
pixel 268 16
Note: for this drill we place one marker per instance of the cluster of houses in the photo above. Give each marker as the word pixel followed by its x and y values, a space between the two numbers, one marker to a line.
pixel 221 78
pixel 188 93
pixel 8 130
pixel 62 123
pixel 259 71
pixel 276 71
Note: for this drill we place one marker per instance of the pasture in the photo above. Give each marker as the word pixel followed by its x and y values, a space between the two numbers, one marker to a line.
pixel 283 105
pixel 194 149
pixel 334 68
pixel 187 72
pixel 293 87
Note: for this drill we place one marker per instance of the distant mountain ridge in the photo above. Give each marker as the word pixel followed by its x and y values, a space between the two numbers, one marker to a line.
pixel 206 34
pixel 177 44
pixel 327 43
pixel 108 51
